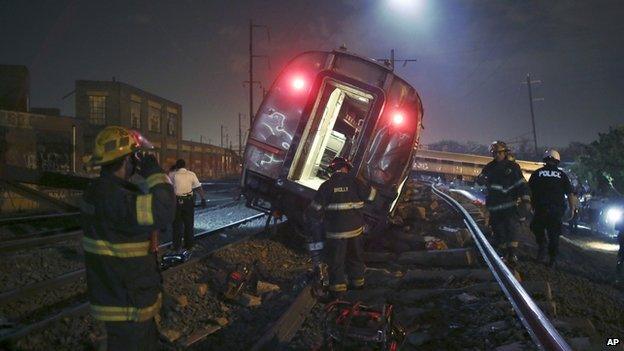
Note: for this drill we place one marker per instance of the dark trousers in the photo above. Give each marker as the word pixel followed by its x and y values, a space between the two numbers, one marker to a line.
pixel 546 226
pixel 184 222
pixel 505 226
pixel 345 256
pixel 131 336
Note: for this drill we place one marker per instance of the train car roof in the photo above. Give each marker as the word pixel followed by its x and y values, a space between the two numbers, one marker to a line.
pixel 345 52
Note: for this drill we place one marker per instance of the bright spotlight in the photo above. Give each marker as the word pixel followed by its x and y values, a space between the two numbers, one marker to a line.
pixel 614 215
pixel 407 5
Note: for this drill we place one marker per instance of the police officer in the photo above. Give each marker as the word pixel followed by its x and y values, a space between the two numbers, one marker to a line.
pixel 549 186
pixel 185 183
pixel 120 223
pixel 505 184
pixel 339 202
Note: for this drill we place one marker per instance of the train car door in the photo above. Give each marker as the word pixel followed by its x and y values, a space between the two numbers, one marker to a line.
pixel 334 129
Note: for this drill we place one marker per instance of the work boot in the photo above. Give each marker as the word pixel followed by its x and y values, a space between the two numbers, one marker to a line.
pixel 552 262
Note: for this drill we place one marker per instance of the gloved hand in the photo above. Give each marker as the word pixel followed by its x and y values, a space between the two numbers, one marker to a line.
pixel 203 203
pixel 148 165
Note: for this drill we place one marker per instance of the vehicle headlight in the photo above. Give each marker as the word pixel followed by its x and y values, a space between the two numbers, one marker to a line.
pixel 614 215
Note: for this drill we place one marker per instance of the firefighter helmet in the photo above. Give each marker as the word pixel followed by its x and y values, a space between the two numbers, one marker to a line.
pixel 338 163
pixel 552 154
pixel 498 146
pixel 114 142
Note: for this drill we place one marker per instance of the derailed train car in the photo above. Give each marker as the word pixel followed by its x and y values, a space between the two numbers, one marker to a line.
pixel 323 105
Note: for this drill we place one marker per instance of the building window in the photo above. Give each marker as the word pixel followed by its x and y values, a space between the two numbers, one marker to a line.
pixel 154 119
pixel 172 123
pixel 135 114
pixel 97 109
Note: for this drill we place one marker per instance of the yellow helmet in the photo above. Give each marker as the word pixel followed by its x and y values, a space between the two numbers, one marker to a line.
pixel 114 142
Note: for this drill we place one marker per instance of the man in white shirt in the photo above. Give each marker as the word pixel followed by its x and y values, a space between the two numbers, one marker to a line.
pixel 185 183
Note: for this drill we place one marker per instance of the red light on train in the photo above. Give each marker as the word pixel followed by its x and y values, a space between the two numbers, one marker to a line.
pixel 398 118
pixel 298 83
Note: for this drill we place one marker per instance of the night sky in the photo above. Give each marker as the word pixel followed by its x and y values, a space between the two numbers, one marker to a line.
pixel 472 56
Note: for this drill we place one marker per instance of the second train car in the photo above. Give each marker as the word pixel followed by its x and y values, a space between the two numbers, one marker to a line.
pixel 328 104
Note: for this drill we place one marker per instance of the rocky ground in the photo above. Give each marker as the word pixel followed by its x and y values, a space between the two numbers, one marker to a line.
pixel 443 296
pixel 424 265
pixel 459 312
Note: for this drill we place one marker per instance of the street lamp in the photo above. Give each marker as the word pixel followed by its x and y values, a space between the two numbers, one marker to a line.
pixel 407 6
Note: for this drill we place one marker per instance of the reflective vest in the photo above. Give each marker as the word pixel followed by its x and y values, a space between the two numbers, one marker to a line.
pixel 505 184
pixel 341 200
pixel 123 277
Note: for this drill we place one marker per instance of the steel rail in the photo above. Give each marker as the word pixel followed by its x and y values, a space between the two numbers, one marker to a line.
pixel 33 288
pixel 22 219
pixel 539 327
pixel 27 243
pixel 32 241
pixel 15 220
pixel 83 307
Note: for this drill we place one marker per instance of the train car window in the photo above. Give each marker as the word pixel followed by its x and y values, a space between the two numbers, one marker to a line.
pixel 334 129
pixel 394 137
pixel 279 115
pixel 361 70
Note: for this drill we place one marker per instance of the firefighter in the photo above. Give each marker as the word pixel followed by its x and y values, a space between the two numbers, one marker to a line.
pixel 120 240
pixel 549 186
pixel 338 203
pixel 506 185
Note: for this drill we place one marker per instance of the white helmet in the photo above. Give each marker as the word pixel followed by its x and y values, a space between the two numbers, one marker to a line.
pixel 552 154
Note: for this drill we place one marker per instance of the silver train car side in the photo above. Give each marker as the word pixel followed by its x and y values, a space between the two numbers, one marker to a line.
pixel 323 105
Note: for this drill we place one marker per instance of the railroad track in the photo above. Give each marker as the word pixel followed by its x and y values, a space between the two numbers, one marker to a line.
pixel 458 298
pixel 80 307
pixel 462 296
pixel 53 236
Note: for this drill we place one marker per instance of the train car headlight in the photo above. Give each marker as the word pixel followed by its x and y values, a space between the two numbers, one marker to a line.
pixel 614 215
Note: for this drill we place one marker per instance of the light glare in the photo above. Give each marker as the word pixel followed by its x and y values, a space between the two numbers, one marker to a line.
pixel 614 215
pixel 298 83
pixel 398 118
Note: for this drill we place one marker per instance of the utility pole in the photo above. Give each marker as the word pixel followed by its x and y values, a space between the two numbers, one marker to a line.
pixel 221 135
pixel 391 61
pixel 528 83
pixel 227 139
pixel 251 81
pixel 240 136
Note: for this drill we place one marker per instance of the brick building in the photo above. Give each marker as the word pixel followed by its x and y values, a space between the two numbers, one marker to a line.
pixel 101 103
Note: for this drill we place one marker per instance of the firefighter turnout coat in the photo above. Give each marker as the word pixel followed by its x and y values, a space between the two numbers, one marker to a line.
pixel 505 184
pixel 341 200
pixel 123 276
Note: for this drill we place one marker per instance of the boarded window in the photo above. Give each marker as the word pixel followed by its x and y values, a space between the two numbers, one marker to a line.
pixel 172 122
pixel 135 114
pixel 154 119
pixel 97 110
